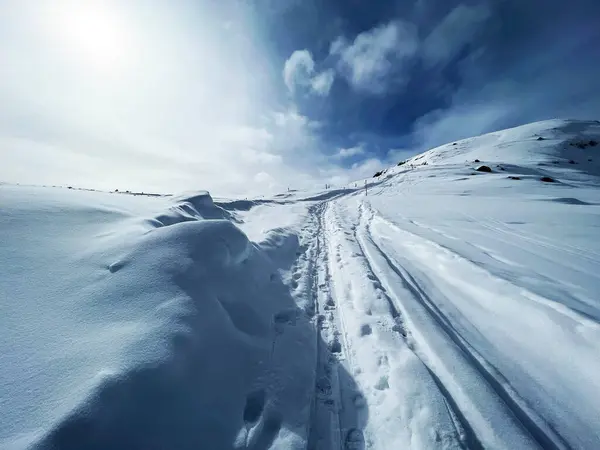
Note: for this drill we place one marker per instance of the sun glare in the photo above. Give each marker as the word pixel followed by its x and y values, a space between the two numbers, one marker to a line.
pixel 93 31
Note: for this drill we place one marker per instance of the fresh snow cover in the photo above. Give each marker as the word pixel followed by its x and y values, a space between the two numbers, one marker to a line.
pixel 440 307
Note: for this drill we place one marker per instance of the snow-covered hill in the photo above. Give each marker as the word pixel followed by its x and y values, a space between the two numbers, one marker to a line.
pixel 445 307
pixel 550 141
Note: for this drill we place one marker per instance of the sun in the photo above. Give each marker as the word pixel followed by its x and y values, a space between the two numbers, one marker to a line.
pixel 93 32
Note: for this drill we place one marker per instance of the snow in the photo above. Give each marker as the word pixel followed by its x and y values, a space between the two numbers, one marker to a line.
pixel 121 331
pixel 446 308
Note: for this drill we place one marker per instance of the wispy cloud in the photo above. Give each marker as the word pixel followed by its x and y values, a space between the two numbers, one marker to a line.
pixel 299 71
pixel 349 152
pixel 383 57
pixel 375 58
pixel 321 83
pixel 148 121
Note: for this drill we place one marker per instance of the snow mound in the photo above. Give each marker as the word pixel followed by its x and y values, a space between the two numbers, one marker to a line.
pixel 244 205
pixel 171 332
pixel 190 207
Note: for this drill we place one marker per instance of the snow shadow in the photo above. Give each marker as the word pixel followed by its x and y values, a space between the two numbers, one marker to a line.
pixel 569 201
pixel 229 361
pixel 332 193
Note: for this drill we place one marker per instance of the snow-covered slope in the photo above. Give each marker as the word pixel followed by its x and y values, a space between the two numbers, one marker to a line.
pixel 550 141
pixel 140 323
pixel 495 278
pixel 443 308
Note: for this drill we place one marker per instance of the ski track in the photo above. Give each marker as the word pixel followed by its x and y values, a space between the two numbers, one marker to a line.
pixel 498 228
pixel 464 431
pixel 539 431
pixel 430 295
pixel 391 352
pixel 336 402
pixel 442 351
pixel 323 421
pixel 543 242
pixel 507 269
pixel 420 327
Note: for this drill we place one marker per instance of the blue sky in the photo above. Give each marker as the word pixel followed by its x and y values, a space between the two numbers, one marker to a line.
pixel 243 97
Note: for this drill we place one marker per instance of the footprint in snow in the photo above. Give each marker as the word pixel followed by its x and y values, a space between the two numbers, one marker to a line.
pixel 400 329
pixel 287 316
pixel 255 404
pixel 383 361
pixel 335 346
pixel 365 330
pixel 323 386
pixel 265 432
pixel 359 401
pixel 262 427
pixel 355 440
pixel 382 384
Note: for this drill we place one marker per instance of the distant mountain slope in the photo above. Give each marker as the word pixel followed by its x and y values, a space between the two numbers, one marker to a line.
pixel 546 142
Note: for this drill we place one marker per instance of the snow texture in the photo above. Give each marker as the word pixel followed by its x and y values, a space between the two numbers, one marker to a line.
pixel 440 307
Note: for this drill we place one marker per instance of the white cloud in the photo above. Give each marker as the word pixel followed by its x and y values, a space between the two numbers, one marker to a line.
pixel 295 134
pixel 338 45
pixel 349 152
pixel 299 70
pixel 201 125
pixel 321 83
pixel 378 60
pixel 375 58
pixel 368 167
pixel 336 176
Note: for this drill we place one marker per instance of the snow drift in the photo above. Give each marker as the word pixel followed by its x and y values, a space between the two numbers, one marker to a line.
pixel 173 331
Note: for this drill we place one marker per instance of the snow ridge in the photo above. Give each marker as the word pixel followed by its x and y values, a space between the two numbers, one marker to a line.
pixel 214 326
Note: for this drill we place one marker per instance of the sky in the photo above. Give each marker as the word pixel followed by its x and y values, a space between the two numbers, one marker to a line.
pixel 248 97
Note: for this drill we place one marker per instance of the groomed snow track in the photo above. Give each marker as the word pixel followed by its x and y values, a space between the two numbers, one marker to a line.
pixel 479 405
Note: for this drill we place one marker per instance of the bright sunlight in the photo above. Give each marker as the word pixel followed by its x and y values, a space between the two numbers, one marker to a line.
pixel 94 31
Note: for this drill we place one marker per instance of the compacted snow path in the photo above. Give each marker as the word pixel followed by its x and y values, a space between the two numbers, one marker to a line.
pixel 440 361
pixel 338 411
pixel 404 403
